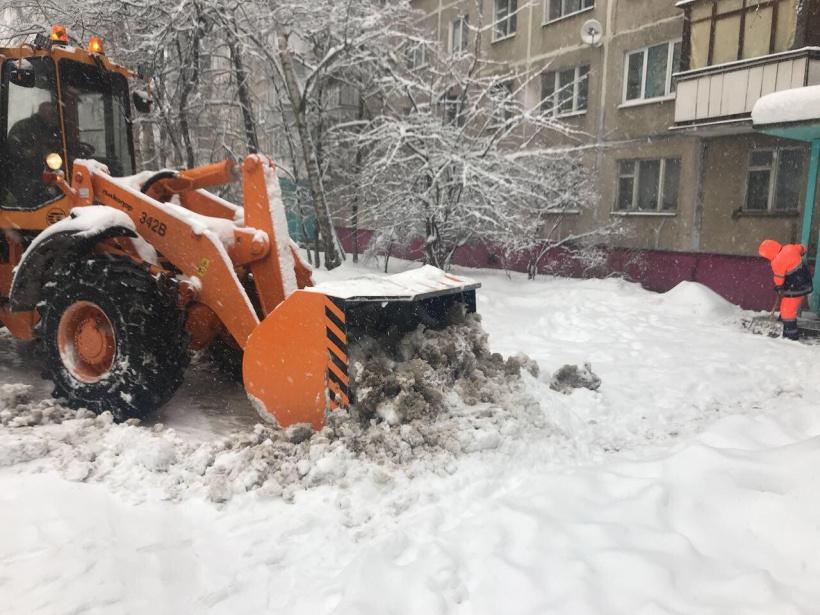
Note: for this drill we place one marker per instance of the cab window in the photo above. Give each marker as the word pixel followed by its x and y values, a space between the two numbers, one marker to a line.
pixel 95 107
pixel 31 131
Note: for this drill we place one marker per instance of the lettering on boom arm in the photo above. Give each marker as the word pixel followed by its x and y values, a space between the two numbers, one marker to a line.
pixel 149 222
pixel 117 200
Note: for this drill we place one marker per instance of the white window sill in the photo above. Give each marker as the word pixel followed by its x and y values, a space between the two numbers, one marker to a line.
pixel 646 101
pixel 765 213
pixel 647 214
pixel 567 16
pixel 568 212
pixel 503 38
pixel 563 116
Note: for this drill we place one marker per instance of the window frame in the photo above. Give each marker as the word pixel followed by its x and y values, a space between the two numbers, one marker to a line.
pixel 450 103
pixel 5 91
pixel 411 56
pixel 774 170
pixel 500 115
pixel 633 209
pixel 510 16
pixel 669 90
pixel 554 110
pixel 548 3
pixel 462 22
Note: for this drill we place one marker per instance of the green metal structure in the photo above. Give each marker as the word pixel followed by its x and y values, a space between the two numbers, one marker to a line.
pixel 807 131
pixel 302 226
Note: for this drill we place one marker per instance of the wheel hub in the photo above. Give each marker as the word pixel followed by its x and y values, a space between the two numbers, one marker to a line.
pixel 87 342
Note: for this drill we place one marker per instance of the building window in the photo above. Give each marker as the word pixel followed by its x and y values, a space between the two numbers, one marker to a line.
pixel 415 55
pixel 773 182
pixel 459 38
pixel 556 9
pixel 565 92
pixel 501 99
pixel 648 185
pixel 451 108
pixel 506 18
pixel 648 71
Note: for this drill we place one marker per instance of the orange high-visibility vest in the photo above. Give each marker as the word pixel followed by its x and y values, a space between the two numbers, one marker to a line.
pixel 792 277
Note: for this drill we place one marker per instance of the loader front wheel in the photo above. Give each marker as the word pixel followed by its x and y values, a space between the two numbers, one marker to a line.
pixel 114 337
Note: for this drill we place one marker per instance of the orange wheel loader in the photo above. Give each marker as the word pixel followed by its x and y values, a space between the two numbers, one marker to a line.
pixel 121 274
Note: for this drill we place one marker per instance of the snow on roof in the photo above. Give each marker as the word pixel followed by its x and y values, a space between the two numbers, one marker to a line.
pixel 422 282
pixel 795 105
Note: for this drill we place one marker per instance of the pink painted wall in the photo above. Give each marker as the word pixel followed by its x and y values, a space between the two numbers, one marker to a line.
pixel 743 280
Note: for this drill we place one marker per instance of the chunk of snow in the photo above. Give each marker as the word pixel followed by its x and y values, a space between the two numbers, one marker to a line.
pixel 786 106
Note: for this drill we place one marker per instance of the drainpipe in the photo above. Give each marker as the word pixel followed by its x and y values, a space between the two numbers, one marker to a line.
pixel 700 171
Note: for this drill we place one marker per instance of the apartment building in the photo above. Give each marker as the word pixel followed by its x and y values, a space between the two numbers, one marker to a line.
pixel 662 103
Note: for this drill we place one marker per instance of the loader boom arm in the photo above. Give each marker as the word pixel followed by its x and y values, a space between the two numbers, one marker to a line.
pixel 203 247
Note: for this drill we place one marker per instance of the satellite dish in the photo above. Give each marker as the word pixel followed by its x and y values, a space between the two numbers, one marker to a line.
pixel 592 32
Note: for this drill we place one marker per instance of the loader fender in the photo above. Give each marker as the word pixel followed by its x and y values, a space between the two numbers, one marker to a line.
pixel 67 240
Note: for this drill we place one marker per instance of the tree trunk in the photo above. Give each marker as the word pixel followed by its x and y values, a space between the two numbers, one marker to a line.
pixel 251 138
pixel 189 76
pixel 149 153
pixel 332 256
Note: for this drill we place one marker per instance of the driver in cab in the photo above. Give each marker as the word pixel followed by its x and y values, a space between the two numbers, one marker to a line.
pixel 29 141
pixel 36 136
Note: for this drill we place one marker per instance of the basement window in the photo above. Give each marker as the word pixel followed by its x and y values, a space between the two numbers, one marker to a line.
pixel 774 180
pixel 647 186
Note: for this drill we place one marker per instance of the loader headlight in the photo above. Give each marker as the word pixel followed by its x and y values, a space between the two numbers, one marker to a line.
pixel 54 161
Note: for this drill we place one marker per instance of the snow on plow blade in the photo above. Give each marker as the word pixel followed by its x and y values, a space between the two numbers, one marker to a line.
pixel 296 365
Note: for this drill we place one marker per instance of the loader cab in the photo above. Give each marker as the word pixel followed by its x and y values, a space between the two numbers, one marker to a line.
pixel 63 102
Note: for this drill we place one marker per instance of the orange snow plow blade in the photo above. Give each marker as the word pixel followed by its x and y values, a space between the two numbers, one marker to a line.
pixel 296 363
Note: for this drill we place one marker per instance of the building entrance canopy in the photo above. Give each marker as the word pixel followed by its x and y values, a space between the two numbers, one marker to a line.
pixel 795 114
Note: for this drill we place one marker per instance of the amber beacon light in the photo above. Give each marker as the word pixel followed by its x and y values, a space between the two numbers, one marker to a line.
pixel 59 34
pixel 95 45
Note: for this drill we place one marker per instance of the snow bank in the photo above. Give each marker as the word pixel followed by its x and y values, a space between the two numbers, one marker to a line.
pixel 686 484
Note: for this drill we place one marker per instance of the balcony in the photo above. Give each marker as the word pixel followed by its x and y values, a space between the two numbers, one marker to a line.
pixel 722 96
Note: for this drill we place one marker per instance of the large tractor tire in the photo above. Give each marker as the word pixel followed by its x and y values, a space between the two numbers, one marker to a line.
pixel 223 352
pixel 226 356
pixel 113 337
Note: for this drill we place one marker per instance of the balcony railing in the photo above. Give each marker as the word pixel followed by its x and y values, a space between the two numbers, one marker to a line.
pixel 726 93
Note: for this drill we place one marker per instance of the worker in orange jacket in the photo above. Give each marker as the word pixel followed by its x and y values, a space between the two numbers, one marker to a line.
pixel 792 280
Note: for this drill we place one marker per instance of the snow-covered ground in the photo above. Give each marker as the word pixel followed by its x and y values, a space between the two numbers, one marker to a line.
pixel 689 483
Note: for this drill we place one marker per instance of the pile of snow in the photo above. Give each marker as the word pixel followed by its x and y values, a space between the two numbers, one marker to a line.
pixel 423 400
pixel 694 298
pixel 428 372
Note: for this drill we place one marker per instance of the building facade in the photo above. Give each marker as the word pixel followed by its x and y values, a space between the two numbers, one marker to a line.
pixel 661 100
